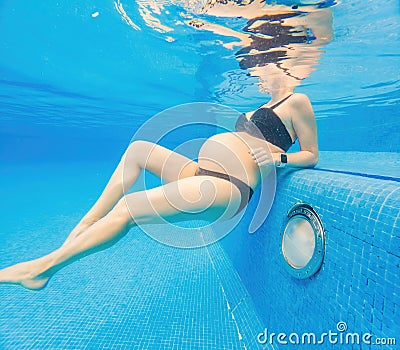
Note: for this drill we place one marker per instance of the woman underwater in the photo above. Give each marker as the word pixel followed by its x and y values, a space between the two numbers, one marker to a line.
pixel 231 161
pixel 229 168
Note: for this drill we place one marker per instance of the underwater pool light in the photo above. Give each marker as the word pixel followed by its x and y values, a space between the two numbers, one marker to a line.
pixel 303 241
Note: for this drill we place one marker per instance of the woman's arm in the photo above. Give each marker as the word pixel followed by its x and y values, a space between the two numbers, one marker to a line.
pixel 302 159
pixel 305 126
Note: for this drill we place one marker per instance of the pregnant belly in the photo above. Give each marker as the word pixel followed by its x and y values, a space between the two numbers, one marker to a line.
pixel 229 153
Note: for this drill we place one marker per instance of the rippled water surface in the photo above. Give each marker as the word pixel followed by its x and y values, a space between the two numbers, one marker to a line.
pixel 101 69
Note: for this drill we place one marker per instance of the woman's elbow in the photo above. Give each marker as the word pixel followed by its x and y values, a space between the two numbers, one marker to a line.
pixel 314 160
pixel 311 161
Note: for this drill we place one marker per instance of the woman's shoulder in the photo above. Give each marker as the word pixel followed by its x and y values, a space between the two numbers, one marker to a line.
pixel 302 105
pixel 300 98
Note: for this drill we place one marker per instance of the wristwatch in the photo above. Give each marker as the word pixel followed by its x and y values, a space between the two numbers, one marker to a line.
pixel 282 160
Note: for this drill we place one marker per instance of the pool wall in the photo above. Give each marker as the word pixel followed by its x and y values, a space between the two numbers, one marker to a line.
pixel 359 280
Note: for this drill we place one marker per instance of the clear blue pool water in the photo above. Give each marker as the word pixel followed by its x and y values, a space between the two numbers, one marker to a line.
pixel 77 79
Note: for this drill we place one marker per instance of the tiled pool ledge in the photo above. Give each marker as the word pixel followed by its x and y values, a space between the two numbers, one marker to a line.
pixel 358 200
pixel 379 165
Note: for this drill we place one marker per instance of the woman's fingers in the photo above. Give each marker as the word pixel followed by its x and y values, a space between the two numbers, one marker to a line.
pixel 263 160
pixel 261 156
pixel 257 151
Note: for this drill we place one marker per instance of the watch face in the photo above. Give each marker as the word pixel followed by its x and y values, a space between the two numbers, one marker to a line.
pixel 283 158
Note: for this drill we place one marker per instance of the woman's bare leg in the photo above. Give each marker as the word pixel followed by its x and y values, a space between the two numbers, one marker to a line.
pixel 105 232
pixel 201 194
pixel 164 163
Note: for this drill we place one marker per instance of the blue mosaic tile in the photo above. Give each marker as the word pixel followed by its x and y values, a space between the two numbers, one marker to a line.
pixel 358 282
pixel 138 294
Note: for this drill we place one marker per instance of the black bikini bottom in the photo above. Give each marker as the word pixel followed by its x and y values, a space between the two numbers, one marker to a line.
pixel 245 190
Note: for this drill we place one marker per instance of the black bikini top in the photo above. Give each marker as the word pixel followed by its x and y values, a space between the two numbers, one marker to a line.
pixel 265 123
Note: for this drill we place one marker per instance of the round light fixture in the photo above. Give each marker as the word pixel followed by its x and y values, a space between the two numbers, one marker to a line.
pixel 303 241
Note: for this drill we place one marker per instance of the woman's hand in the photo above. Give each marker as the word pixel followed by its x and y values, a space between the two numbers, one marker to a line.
pixel 263 157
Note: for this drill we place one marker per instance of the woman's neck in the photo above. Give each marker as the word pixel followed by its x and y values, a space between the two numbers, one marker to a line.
pixel 276 96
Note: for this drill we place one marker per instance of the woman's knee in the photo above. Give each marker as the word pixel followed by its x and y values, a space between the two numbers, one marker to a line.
pixel 139 146
pixel 136 151
pixel 121 211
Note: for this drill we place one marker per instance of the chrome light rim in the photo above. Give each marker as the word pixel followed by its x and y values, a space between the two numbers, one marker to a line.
pixel 306 212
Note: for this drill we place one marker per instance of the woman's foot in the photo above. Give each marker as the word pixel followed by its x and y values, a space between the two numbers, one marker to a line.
pixel 25 274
